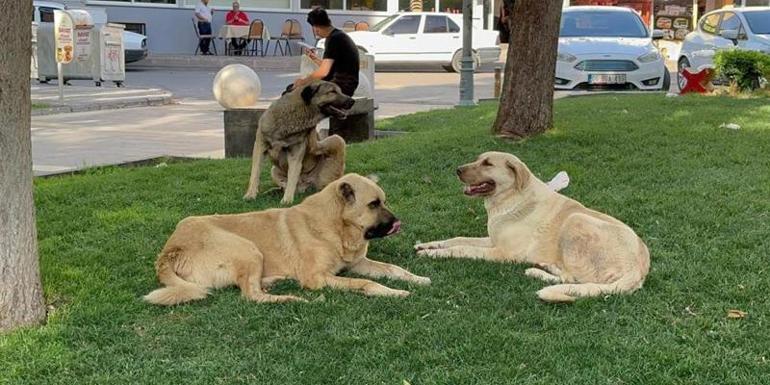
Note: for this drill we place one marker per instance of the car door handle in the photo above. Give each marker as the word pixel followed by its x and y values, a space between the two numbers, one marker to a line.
pixel 412 38
pixel 455 37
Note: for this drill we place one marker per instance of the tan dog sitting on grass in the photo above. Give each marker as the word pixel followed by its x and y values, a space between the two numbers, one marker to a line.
pixel 584 252
pixel 311 243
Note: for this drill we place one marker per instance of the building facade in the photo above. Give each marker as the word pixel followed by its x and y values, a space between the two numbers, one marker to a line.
pixel 168 24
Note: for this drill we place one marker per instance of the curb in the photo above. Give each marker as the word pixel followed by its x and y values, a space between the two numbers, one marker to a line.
pixel 140 102
pixel 268 63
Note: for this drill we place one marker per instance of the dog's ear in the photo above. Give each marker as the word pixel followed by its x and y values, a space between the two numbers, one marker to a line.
pixel 520 172
pixel 374 178
pixel 347 193
pixel 308 93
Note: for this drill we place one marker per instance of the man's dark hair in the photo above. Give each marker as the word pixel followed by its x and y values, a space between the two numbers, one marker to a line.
pixel 318 18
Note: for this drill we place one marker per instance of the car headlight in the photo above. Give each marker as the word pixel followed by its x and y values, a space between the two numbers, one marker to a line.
pixel 565 57
pixel 649 57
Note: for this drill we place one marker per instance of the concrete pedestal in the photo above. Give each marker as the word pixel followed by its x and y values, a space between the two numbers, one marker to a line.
pixel 241 130
pixel 359 125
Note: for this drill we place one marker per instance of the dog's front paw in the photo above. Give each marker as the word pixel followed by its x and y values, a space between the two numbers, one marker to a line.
pixel 287 201
pixel 424 281
pixel 397 293
pixel 250 195
pixel 434 253
pixel 429 246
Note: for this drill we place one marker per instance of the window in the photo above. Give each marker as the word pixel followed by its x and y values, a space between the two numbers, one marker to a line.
pixel 366 5
pixel 46 14
pixel 245 4
pixel 759 21
pixel 602 24
pixel 730 21
pixel 453 27
pixel 435 24
pixel 407 24
pixel 377 27
pixel 327 4
pixel 156 1
pixel 709 23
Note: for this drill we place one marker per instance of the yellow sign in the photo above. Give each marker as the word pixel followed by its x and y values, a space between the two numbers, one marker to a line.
pixel 63 36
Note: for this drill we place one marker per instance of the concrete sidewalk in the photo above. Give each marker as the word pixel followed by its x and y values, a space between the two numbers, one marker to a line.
pixel 69 142
pixel 78 98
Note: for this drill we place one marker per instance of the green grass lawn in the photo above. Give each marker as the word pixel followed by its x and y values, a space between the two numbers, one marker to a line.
pixel 699 195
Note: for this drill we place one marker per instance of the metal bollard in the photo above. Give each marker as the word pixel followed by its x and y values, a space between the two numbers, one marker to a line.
pixel 498 81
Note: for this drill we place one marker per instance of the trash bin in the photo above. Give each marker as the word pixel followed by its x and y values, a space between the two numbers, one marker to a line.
pixel 98 51
pixel 110 62
pixel 33 61
pixel 80 66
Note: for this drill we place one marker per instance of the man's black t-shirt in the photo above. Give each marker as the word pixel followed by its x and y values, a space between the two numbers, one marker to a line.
pixel 344 72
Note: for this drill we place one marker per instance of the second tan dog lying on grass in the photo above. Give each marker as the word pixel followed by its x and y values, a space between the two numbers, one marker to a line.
pixel 310 242
pixel 586 253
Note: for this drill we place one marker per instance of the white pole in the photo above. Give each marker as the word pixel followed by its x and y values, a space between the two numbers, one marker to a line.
pixel 61 82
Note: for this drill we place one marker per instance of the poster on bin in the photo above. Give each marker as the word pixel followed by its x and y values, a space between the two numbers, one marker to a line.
pixel 63 37
pixel 83 43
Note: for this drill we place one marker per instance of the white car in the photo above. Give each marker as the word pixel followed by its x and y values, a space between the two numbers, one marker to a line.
pixel 602 47
pixel 742 28
pixel 426 37
pixel 134 44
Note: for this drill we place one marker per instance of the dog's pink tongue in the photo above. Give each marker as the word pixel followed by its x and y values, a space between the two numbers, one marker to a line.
pixel 396 228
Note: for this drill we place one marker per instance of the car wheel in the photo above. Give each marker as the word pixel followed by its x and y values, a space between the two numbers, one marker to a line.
pixel 457 61
pixel 666 81
pixel 681 65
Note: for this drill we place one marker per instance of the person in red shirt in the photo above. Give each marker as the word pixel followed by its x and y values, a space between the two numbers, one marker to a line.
pixel 237 17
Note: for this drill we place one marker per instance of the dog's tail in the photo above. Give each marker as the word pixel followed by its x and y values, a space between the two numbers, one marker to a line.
pixel 628 283
pixel 176 289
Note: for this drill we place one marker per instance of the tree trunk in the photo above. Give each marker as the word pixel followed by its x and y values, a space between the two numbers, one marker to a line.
pixel 526 101
pixel 21 295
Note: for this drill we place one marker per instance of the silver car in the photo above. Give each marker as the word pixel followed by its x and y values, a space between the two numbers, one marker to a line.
pixel 742 28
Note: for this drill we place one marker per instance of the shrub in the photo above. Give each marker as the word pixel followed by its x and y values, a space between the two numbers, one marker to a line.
pixel 744 68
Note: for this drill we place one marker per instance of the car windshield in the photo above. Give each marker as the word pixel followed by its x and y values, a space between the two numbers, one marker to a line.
pixel 759 21
pixel 601 24
pixel 377 27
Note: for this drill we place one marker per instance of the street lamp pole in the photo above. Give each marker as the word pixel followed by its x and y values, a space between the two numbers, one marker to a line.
pixel 466 72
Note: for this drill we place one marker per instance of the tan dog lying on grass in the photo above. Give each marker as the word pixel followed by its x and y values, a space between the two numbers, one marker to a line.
pixel 310 242
pixel 585 252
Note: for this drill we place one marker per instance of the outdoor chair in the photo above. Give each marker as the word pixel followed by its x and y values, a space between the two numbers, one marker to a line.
pixel 349 26
pixel 291 30
pixel 201 37
pixel 256 30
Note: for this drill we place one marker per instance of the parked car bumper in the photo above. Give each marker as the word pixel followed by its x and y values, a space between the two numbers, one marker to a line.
pixel 133 55
pixel 489 54
pixel 641 76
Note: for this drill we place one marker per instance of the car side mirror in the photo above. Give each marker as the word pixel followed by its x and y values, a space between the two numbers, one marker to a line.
pixel 730 34
pixel 387 32
pixel 657 34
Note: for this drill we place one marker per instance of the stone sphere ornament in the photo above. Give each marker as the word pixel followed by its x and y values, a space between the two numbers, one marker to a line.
pixel 237 86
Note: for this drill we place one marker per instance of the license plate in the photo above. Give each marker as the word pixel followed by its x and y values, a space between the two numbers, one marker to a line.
pixel 607 78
